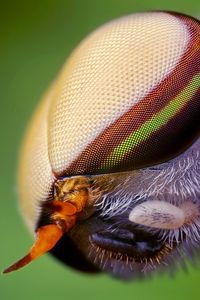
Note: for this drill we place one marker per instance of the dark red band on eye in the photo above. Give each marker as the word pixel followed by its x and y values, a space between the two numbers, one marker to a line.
pixel 165 143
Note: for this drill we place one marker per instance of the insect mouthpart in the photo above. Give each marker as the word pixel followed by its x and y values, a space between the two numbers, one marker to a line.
pixel 59 215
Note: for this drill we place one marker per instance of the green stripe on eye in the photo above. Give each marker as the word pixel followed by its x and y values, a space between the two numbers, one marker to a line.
pixel 155 123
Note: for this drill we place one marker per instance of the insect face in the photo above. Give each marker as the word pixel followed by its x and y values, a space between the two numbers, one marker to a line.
pixel 109 171
pixel 143 220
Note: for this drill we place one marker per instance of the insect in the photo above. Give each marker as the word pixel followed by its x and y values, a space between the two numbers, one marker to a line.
pixel 110 166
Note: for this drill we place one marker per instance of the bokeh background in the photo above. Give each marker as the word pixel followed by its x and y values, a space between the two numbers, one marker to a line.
pixel 35 39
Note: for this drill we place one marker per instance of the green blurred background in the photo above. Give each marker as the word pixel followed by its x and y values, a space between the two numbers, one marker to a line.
pixel 35 39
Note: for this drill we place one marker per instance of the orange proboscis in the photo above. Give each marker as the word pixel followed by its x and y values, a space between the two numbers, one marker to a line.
pixel 64 218
pixel 46 238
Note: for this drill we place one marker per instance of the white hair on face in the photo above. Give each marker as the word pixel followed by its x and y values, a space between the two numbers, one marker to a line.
pixel 180 179
pixel 175 181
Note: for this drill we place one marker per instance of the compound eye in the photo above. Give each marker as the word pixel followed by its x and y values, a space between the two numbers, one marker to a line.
pixel 140 102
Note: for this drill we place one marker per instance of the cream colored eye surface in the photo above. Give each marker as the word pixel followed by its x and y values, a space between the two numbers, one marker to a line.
pixel 109 167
